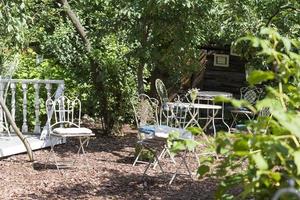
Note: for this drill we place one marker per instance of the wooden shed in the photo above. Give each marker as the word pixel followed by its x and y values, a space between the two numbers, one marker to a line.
pixel 225 71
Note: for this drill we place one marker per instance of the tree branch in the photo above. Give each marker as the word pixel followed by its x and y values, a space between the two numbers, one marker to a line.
pixel 75 20
pixel 279 10
pixel 16 129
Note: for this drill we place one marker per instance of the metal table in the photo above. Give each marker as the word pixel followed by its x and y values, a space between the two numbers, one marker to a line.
pixel 193 113
pixel 209 96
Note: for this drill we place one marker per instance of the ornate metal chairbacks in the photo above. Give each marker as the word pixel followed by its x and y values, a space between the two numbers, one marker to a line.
pixel 145 110
pixel 251 94
pixel 64 122
pixel 161 91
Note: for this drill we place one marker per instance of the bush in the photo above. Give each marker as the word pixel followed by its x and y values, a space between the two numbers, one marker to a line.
pixel 261 162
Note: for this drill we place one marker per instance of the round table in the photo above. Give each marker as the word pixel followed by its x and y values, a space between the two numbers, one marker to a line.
pixel 209 96
pixel 193 110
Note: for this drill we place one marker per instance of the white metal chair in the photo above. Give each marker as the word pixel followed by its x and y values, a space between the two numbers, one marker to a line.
pixel 146 117
pixel 165 114
pixel 64 122
pixel 250 94
pixel 152 135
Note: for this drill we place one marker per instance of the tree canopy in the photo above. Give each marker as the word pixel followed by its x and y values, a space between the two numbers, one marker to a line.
pixel 129 42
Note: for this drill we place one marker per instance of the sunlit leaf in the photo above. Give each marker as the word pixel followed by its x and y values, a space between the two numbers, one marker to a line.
pixel 260 162
pixel 195 130
pixel 297 160
pixel 259 76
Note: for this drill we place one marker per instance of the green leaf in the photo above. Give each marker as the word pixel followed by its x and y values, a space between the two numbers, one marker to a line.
pixel 275 176
pixel 241 145
pixel 178 145
pixel 234 102
pixel 260 162
pixel 297 160
pixel 258 76
pixel 203 169
pixel 195 130
pixel 287 119
pixel 191 144
pixel 286 43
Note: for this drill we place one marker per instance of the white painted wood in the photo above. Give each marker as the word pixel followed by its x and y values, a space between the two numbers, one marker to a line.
pixel 48 88
pixel 2 85
pixel 13 102
pixel 25 84
pixel 31 81
pixel 59 92
pixel 24 126
pixel 37 127
pixel 12 145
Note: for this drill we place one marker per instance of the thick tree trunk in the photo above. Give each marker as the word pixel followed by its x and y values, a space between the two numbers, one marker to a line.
pixel 16 129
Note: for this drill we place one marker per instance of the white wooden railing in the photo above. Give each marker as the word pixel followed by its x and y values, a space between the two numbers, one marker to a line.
pixel 8 88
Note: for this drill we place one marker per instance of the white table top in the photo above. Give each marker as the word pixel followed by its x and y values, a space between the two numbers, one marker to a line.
pixel 194 105
pixel 212 94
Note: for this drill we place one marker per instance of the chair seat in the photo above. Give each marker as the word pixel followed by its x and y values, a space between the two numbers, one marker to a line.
pixel 163 131
pixel 73 132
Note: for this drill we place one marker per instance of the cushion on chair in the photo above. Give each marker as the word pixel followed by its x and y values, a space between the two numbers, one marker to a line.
pixel 147 129
pixel 163 131
pixel 73 131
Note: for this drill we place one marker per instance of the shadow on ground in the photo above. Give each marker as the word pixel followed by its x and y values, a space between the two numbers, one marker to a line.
pixel 130 186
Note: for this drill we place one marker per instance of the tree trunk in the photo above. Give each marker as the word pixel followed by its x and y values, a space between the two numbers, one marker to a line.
pixel 16 129
pixel 75 20
pixel 140 77
pixel 95 67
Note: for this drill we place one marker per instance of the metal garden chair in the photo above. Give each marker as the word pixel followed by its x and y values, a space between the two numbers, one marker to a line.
pixel 151 135
pixel 259 124
pixel 165 112
pixel 250 94
pixel 64 122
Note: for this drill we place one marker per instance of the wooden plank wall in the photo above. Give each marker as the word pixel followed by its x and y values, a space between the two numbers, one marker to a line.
pixel 228 79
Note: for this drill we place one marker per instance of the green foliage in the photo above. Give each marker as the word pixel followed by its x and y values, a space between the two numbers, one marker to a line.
pixel 177 144
pixel 263 160
pixel 162 37
pixel 118 77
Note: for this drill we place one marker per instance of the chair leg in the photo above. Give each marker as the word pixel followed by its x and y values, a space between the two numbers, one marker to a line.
pixel 150 162
pixel 171 156
pixel 137 157
pixel 53 141
pixel 183 161
pixel 82 143
pixel 197 157
pixel 162 154
pixel 234 119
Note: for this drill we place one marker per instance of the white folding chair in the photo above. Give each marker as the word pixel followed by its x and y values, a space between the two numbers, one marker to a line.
pixel 64 122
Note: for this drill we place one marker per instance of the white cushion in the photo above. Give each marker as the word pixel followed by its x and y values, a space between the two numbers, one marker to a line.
pixel 73 131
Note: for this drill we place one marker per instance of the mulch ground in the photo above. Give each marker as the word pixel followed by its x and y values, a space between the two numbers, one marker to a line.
pixel 105 172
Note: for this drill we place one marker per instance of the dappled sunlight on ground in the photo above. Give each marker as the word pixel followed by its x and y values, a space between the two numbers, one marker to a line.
pixel 106 172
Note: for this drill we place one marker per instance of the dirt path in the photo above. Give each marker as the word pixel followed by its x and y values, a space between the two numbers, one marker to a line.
pixel 110 175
